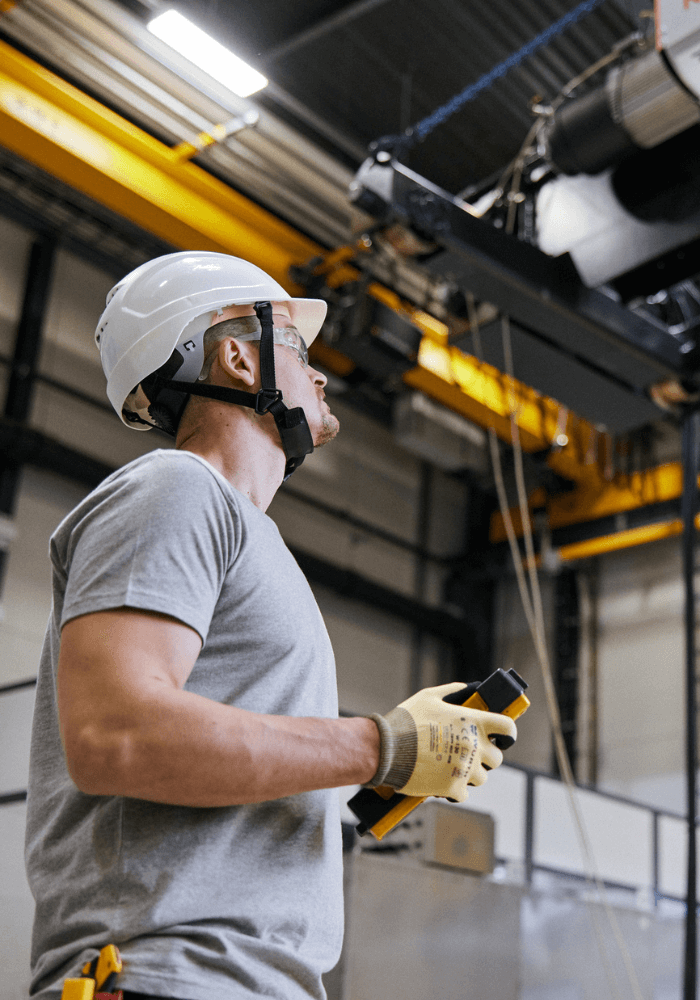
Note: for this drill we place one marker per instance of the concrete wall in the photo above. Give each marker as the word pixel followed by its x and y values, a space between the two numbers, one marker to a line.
pixel 641 670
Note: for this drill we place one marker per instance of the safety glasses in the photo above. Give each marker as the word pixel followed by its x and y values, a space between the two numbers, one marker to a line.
pixel 289 336
pixel 248 328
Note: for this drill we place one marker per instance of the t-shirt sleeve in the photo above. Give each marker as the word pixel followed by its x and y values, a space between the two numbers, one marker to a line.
pixel 161 538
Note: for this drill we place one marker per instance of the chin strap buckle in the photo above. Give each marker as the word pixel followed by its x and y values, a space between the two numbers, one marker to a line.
pixel 265 398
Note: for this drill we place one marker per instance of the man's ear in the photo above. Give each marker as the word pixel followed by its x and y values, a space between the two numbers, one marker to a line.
pixel 237 360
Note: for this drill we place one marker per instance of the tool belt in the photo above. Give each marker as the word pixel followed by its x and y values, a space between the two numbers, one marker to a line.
pixel 97 979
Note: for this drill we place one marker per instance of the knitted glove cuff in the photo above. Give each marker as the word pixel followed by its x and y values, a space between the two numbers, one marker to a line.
pixel 398 748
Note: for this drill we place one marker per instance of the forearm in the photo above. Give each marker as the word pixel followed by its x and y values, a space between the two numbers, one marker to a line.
pixel 180 748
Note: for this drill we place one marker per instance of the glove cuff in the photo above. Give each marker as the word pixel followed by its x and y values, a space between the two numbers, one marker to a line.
pixel 398 748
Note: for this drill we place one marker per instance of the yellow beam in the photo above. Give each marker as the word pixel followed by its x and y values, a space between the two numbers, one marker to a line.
pixel 577 451
pixel 624 493
pixel 616 541
pixel 595 499
pixel 621 540
pixel 76 139
pixel 486 396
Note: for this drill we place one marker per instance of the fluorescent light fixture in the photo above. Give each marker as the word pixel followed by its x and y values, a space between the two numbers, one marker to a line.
pixel 206 53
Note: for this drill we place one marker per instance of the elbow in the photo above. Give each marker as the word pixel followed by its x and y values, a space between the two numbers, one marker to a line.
pixel 95 761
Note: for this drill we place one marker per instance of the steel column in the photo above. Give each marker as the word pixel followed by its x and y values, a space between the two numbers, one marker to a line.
pixel 566 659
pixel 423 526
pixel 690 507
pixel 28 339
pixel 20 384
pixel 471 587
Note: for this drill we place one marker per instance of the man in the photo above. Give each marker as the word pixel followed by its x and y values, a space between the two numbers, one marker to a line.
pixel 186 739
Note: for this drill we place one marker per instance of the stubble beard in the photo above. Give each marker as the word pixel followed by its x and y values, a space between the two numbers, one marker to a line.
pixel 329 428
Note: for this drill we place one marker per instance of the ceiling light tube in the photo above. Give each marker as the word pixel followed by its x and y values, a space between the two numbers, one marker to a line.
pixel 206 53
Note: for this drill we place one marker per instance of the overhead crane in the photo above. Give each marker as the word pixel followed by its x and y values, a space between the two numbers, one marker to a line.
pixel 76 139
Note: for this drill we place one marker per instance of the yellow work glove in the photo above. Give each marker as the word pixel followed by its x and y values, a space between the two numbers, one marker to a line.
pixel 430 747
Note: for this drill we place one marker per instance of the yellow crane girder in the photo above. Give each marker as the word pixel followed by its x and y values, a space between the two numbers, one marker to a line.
pixel 488 397
pixel 73 137
pixel 54 125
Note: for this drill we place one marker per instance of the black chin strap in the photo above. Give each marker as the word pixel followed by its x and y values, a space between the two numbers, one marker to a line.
pixel 291 424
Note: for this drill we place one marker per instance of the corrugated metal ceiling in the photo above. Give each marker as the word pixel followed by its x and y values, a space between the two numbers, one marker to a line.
pixel 373 67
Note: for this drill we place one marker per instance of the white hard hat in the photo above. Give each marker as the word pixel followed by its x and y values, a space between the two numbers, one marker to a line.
pixel 167 304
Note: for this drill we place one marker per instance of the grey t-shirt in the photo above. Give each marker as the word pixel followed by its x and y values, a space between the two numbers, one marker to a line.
pixel 241 901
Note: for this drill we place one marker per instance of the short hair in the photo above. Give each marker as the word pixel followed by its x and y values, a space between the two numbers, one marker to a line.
pixel 220 331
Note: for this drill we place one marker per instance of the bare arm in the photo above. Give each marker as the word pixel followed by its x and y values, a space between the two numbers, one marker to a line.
pixel 128 728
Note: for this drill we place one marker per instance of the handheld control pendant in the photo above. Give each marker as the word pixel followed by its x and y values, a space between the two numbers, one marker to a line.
pixel 381 809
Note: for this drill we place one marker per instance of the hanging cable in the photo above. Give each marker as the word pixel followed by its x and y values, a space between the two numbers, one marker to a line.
pixel 533 607
pixel 531 599
pixel 532 138
pixel 426 125
pixel 690 507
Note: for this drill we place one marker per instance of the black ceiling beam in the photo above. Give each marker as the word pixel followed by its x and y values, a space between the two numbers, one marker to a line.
pixel 20 384
pixel 22 444
pixel 545 294
pixel 25 359
pixel 350 584
pixel 498 556
pixel 340 19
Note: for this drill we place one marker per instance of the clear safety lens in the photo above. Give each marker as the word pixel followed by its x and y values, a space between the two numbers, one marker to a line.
pixel 289 336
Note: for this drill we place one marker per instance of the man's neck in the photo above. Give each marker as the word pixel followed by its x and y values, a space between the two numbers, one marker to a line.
pixel 242 447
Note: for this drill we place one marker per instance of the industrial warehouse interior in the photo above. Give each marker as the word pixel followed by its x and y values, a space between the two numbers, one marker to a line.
pixel 499 205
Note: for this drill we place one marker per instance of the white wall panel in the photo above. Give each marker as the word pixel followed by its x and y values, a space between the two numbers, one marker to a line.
pixel 63 365
pixel 673 856
pixel 16 710
pixel 364 472
pixel 384 563
pixel 96 433
pixel 311 530
pixel 16 906
pixel 503 797
pixel 324 535
pixel 78 297
pixel 43 502
pixel 640 666
pixel 372 652
pixel 620 835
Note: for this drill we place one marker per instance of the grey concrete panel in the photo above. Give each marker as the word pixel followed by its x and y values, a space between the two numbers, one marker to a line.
pixel 16 710
pixel 16 906
pixel 418 931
